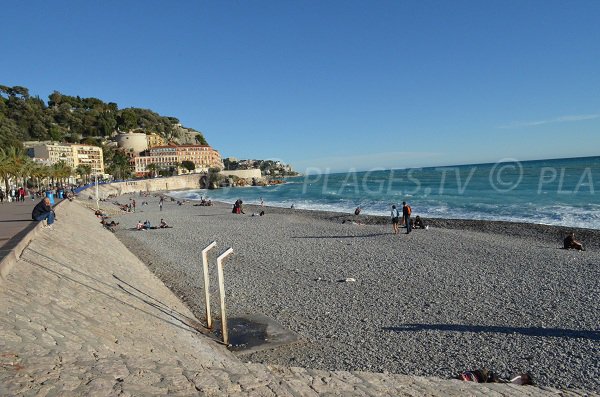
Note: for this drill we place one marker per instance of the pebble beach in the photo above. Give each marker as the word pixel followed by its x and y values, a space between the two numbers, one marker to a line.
pixel 460 296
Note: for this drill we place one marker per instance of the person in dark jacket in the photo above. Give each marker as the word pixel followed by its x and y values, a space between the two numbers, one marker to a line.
pixel 43 210
pixel 570 242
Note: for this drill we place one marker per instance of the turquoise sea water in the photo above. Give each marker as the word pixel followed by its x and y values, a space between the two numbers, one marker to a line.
pixel 557 192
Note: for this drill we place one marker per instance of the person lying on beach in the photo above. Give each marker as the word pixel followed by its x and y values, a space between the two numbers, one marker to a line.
pixel 109 225
pixel 139 226
pixel 351 222
pixel 204 203
pixel 570 242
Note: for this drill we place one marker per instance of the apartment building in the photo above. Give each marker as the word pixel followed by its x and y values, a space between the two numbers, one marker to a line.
pixel 71 154
pixel 154 140
pixel 164 157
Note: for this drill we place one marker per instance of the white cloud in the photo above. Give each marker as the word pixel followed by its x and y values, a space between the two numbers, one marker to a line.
pixel 562 119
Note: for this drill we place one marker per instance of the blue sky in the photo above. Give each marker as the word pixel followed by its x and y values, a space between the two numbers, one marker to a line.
pixel 330 84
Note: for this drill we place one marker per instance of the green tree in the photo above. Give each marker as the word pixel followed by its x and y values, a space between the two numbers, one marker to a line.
pixel 127 120
pixel 152 168
pixel 84 171
pixel 119 166
pixel 60 171
pixel 188 165
pixel 200 139
pixel 12 160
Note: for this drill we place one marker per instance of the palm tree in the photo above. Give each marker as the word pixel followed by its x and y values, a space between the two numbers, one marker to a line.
pixel 120 167
pixel 11 161
pixel 26 171
pixel 84 171
pixel 60 171
pixel 152 168
pixel 39 171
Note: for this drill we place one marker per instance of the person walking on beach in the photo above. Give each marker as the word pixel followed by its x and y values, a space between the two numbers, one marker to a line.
pixel 160 202
pixel 133 204
pixel 406 211
pixel 395 219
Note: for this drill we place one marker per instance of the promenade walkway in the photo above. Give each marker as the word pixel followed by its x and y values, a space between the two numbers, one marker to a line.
pixel 81 316
pixel 16 230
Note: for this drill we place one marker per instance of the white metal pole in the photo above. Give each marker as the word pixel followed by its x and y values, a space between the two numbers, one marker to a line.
pixel 222 293
pixel 207 282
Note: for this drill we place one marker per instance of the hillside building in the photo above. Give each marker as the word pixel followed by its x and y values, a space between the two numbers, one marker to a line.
pixel 71 154
pixel 166 157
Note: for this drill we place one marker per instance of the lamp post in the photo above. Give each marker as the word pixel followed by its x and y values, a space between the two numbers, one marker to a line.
pixel 97 197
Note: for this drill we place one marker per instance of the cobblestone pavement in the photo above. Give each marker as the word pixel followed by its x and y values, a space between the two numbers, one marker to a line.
pixel 82 316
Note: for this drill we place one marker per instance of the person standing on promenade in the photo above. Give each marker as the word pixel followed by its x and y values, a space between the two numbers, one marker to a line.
pixel 406 211
pixel 395 219
pixel 1 196
pixel 43 210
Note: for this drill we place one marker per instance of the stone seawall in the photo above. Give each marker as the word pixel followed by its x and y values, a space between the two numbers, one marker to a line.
pixel 191 181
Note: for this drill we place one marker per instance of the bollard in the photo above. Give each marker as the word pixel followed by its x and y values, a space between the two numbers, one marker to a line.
pixel 206 282
pixel 222 293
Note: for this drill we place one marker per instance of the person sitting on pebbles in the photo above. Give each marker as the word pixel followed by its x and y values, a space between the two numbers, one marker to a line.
pixel 163 224
pixel 570 242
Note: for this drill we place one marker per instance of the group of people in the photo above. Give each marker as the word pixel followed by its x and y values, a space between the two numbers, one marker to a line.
pixel 19 194
pixel 15 195
pixel 404 217
pixel 43 211
pixel 147 225
pixel 204 203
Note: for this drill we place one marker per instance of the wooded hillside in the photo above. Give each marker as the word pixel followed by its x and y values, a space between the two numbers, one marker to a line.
pixel 73 119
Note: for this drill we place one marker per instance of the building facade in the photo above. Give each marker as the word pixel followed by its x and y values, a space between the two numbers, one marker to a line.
pixel 71 154
pixel 89 155
pixel 166 157
pixel 154 140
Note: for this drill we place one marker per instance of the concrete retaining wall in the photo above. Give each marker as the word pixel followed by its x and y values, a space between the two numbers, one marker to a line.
pixel 191 181
pixel 245 174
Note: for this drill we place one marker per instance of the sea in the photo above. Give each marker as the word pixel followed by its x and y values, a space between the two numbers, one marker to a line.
pixel 563 192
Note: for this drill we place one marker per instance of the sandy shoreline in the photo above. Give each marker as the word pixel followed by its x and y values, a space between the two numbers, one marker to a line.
pixel 462 295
